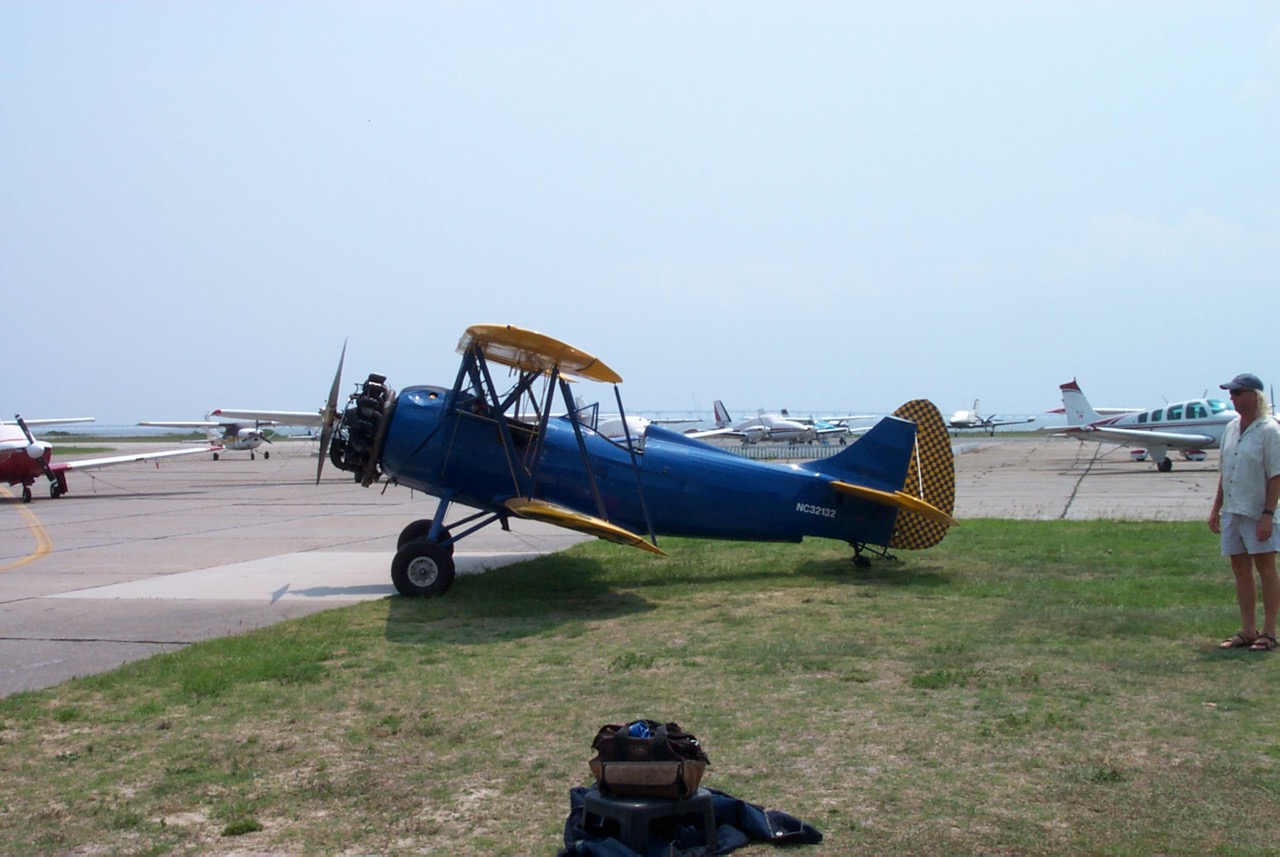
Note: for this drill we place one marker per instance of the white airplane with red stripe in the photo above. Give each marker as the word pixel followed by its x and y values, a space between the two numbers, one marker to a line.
pixel 1191 426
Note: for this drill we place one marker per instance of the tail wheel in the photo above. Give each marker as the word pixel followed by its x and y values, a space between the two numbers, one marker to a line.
pixel 418 530
pixel 422 569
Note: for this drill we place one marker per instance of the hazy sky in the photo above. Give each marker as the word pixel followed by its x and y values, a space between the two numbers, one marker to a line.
pixel 825 206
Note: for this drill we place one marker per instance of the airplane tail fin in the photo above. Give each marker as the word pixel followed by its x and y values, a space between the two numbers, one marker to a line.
pixel 915 460
pixel 1079 411
pixel 931 476
pixel 722 415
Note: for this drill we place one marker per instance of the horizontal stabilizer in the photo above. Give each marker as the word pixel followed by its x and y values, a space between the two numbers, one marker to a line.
pixel 898 500
pixel 549 513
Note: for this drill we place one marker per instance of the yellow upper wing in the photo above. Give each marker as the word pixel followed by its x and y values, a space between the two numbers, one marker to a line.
pixel 530 351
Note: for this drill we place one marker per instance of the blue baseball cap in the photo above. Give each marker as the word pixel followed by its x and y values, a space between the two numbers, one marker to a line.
pixel 1244 381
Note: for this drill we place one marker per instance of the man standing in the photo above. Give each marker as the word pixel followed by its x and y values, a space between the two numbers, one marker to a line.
pixel 1244 510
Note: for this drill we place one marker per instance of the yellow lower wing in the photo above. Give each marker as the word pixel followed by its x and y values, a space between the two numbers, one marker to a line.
pixel 549 513
pixel 897 499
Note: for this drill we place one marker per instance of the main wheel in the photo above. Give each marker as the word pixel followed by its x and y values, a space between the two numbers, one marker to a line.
pixel 1165 465
pixel 418 530
pixel 422 569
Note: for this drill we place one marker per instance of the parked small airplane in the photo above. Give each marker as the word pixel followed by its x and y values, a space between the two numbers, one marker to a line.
pixel 243 430
pixel 502 453
pixel 974 420
pixel 779 427
pixel 1191 426
pixel 23 459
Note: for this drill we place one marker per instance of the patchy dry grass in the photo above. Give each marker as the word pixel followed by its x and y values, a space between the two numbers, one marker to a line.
pixel 1026 688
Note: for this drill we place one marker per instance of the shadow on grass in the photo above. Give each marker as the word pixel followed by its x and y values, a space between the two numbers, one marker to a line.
pixel 881 573
pixel 520 600
pixel 558 592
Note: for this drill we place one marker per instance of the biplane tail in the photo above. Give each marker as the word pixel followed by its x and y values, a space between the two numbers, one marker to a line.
pixel 897 453
pixel 931 476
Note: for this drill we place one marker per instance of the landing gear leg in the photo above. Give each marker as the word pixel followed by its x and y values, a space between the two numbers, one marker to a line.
pixel 860 561
pixel 26 493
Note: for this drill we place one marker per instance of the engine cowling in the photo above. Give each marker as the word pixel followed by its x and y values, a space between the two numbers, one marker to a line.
pixel 359 433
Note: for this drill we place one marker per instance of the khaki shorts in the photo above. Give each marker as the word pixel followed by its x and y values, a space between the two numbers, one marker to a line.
pixel 1240 535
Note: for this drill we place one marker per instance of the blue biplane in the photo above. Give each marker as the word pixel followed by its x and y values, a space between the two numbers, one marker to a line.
pixel 503 453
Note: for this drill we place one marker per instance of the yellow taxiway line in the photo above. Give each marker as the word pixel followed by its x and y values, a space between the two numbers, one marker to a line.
pixel 44 544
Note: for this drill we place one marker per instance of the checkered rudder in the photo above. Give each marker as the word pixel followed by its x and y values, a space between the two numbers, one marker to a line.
pixel 931 477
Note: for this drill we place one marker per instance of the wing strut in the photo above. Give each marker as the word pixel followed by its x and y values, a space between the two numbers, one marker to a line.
pixel 582 444
pixel 635 466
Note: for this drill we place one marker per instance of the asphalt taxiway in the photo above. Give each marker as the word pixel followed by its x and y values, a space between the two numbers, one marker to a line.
pixel 142 559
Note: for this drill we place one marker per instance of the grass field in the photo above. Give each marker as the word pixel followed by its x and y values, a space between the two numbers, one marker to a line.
pixel 1025 688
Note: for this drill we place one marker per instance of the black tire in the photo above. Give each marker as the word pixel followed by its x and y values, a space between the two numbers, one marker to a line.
pixel 418 530
pixel 1165 465
pixel 422 569
pixel 266 454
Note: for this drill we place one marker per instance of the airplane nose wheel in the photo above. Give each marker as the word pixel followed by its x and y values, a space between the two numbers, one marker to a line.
pixel 422 569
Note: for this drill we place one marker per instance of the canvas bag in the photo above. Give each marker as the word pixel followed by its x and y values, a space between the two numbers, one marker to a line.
pixel 647 759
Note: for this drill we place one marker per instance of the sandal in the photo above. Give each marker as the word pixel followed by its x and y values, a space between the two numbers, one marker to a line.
pixel 1264 643
pixel 1240 641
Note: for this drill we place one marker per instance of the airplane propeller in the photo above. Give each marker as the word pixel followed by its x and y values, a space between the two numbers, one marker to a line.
pixel 330 414
pixel 35 449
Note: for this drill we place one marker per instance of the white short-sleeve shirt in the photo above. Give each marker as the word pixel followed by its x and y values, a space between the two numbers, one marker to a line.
pixel 1248 462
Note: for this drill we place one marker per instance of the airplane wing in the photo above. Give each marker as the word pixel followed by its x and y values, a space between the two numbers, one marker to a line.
pixel 50 422
pixel 1102 412
pixel 719 432
pixel 285 418
pixel 1130 437
pixel 549 513
pixel 93 463
pixel 530 351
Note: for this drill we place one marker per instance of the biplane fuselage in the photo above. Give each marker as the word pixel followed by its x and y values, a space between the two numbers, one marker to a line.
pixel 691 488
pixel 501 452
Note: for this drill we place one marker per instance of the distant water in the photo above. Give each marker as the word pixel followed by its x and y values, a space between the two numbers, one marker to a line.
pixel 96 430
